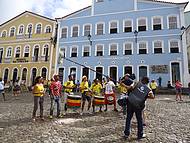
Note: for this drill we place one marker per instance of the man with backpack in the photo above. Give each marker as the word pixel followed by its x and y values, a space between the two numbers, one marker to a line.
pixel 136 103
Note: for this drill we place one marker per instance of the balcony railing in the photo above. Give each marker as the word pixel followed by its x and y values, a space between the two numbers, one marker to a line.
pixel 7 60
pixel 24 36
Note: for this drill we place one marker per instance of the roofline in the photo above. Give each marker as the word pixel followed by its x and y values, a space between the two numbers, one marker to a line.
pixel 26 12
pixel 74 12
pixel 159 1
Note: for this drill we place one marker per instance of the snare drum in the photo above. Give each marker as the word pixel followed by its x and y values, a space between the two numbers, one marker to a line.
pixel 73 101
pixel 99 100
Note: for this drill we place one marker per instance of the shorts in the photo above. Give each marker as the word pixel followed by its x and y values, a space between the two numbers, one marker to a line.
pixel 178 91
pixel 85 97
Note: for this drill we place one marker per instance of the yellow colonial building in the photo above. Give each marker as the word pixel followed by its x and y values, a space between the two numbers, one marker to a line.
pixel 27 47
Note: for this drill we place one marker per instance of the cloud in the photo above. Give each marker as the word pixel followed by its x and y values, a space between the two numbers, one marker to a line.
pixel 49 8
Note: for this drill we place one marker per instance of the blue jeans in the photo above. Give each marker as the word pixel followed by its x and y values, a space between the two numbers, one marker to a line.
pixel 57 100
pixel 138 112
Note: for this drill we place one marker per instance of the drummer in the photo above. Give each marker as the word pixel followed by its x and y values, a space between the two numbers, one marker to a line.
pixel 68 86
pixel 96 90
pixel 110 93
pixel 84 89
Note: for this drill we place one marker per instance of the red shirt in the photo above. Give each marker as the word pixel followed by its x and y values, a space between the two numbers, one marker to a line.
pixel 56 88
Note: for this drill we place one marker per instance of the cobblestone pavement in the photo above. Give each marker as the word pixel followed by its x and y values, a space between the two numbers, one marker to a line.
pixel 168 122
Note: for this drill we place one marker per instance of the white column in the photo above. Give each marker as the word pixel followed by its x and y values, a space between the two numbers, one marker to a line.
pixel 184 50
pixel 92 7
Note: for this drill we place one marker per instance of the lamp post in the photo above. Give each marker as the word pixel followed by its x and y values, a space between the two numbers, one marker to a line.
pixel 183 30
pixel 136 34
pixel 89 39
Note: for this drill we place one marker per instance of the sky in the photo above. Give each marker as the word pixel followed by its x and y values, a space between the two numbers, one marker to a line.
pixel 49 8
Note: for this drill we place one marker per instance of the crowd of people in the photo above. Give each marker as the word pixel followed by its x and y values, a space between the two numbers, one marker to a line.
pixel 98 94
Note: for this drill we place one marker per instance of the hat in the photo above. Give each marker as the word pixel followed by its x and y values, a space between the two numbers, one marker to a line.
pixel 127 74
pixel 83 77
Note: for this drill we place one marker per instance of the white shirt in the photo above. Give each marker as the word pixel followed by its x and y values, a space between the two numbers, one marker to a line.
pixel 1 85
pixel 109 87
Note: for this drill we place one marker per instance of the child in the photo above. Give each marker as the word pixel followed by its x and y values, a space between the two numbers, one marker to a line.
pixel 38 92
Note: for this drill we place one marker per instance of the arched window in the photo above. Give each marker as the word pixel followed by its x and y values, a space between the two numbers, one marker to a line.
pixel 12 32
pixel 24 74
pixel 4 34
pixel 26 51
pixel 48 29
pixel 17 52
pixel 33 75
pixel 9 52
pixel 15 74
pixel 44 73
pixel 29 30
pixel 6 75
pixel 38 29
pixel 21 30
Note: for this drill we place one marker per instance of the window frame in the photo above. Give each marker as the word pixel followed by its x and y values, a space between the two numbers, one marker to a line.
pixel 3 33
pixel 24 52
pixel 117 26
pixel 83 50
pixel 72 31
pixel 172 15
pixel 45 28
pixel 169 45
pixel 45 48
pixel 36 28
pixel 16 52
pixel 65 27
pixel 74 46
pixel 96 28
pixel 124 25
pixel 124 48
pixel 14 31
pixel 110 49
pixel 139 48
pixel 162 42
pixel 138 23
pixel 87 24
pixel 161 18
pixel 96 47
pixel 7 56
pixel 28 27
pixel 19 29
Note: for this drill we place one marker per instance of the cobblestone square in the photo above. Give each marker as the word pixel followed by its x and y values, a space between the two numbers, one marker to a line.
pixel 168 122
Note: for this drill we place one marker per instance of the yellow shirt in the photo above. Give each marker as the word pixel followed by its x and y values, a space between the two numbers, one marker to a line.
pixel 38 90
pixel 68 84
pixel 122 89
pixel 96 89
pixel 153 85
pixel 84 86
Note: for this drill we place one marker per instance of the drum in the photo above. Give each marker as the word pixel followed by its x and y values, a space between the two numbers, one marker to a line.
pixel 99 100
pixel 73 101
pixel 109 99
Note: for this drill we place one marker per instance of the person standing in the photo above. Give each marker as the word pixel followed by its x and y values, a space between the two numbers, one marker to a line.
pixel 2 88
pixel 153 86
pixel 56 88
pixel 16 88
pixel 84 88
pixel 68 86
pixel 38 92
pixel 178 87
pixel 136 103
pixel 110 96
pixel 96 89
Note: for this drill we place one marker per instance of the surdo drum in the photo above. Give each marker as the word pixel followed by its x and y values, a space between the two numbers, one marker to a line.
pixel 99 100
pixel 73 101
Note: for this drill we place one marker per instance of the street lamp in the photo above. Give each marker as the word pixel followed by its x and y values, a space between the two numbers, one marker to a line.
pixel 183 30
pixel 136 33
pixel 89 39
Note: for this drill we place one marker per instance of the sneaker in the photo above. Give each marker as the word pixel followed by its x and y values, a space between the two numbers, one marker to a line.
pixel 144 124
pixel 115 110
pixel 64 113
pixel 105 110
pixel 51 117
pixel 34 119
pixel 42 118
pixel 125 137
pixel 60 116
pixel 81 113
pixel 142 137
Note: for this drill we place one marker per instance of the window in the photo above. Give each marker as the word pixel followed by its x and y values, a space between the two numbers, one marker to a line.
pixel 26 51
pixel 38 29
pixel 127 49
pixel 174 46
pixel 21 30
pixel 44 73
pixel 4 34
pixel 172 22
pixel 158 47
pixel 45 50
pixel 87 29
pixel 157 23
pixel 12 32
pixel 17 52
pixel 142 24
pixel 99 50
pixel 48 29
pixel 29 29
pixel 64 33
pixel 9 52
pixel 100 29
pixel 113 27
pixel 75 31
pixel 63 51
pixel 86 51
pixel 127 26
pixel 74 52
pixel 142 48
pixel 113 49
